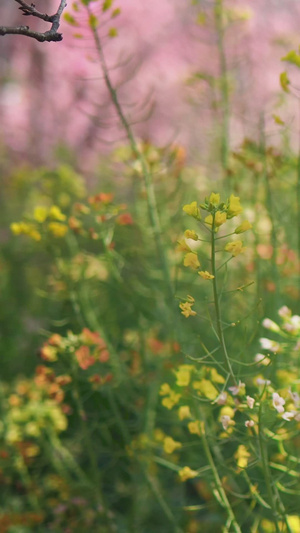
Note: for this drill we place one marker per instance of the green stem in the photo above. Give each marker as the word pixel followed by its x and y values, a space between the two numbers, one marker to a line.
pixel 217 304
pixel 151 198
pixel 270 208
pixel 222 497
pixel 265 468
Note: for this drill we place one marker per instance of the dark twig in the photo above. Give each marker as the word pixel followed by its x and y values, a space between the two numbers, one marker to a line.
pixel 30 10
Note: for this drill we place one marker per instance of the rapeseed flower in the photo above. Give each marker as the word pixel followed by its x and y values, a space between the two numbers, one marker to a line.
pixel 205 274
pixel 170 445
pixel 183 375
pixel 193 210
pixel 186 309
pixel 234 207
pixel 186 473
pixel 191 260
pixel 244 226
pixel 235 248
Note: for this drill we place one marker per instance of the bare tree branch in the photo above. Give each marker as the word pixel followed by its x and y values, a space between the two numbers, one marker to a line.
pixel 30 10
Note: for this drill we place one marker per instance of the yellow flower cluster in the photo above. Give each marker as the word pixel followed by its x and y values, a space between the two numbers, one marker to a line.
pixel 25 228
pixel 219 213
pixel 40 215
pixel 171 398
pixel 186 307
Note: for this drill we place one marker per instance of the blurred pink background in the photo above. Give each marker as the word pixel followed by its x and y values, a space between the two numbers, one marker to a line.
pixel 53 93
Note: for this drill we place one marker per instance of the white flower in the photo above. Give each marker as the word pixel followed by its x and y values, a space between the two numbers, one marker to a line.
pixel 284 312
pixel 288 415
pixel 262 359
pixel 267 344
pixel 236 388
pixel 293 324
pixel 270 324
pixel 250 402
pixel 249 423
pixel 261 381
pixel 278 402
pixel 225 421
pixel 221 399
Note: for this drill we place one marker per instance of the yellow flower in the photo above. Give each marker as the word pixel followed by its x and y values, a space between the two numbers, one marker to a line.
pixel 56 213
pixel 294 523
pixel 191 260
pixel 205 275
pixel 244 226
pixel 234 208
pixel 183 375
pixel 24 228
pixel 187 309
pixel 165 389
pixel 16 228
pixel 192 210
pixel 40 213
pixel 170 445
pixel 235 248
pixel 242 455
pixel 216 377
pixel 209 220
pixel 206 388
pixel 186 473
pixel 220 218
pixel 183 246
pixel 184 412
pixel 58 230
pixel 194 428
pixel 227 411
pixel 191 234
pixel 170 401
pixel 214 199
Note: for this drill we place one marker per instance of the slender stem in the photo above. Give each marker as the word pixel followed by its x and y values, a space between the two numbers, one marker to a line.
pixel 217 304
pixel 269 204
pixel 151 198
pixel 219 487
pixel 265 468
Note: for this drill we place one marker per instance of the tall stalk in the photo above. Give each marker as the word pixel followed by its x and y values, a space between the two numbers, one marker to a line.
pixel 222 497
pixel 147 177
pixel 217 303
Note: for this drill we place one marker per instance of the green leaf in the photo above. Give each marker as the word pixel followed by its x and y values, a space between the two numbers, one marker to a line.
pixel 293 58
pixel 87 2
pixel 113 32
pixel 106 5
pixel 284 82
pixel 93 21
pixel 70 19
pixel 278 120
pixel 116 12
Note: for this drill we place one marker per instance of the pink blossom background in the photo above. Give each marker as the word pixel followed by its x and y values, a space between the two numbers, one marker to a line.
pixel 52 93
